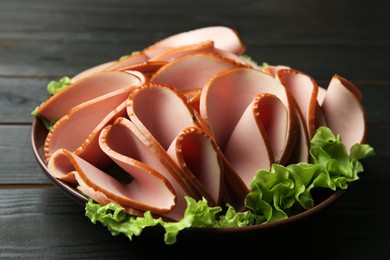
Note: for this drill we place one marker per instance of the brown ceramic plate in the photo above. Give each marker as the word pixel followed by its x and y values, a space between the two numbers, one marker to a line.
pixel 38 136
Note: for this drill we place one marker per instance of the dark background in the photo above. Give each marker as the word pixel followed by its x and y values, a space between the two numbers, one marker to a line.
pixel 46 39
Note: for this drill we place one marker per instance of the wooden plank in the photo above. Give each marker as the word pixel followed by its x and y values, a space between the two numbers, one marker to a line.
pixel 21 58
pixel 45 224
pixel 19 97
pixel 52 38
pixel 60 59
pixel 17 164
pixel 304 22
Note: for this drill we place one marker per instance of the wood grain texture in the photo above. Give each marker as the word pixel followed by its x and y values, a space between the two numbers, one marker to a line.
pixel 46 224
pixel 300 22
pixel 42 40
pixel 19 97
pixel 17 164
pixel 64 58
pixel 321 38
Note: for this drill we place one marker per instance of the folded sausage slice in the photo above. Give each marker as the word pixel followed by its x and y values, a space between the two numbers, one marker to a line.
pixel 160 111
pixel 134 194
pixel 136 58
pixel 147 68
pixel 272 70
pixel 193 71
pixel 223 101
pixel 78 130
pixel 223 37
pixel 181 51
pixel 199 158
pixel 300 152
pixel 248 148
pixel 129 149
pixel 87 88
pixel 227 95
pixel 237 58
pixel 304 90
pixel 97 195
pixel 344 112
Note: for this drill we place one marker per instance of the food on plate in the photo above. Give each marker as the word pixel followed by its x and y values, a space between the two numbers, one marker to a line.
pixel 190 132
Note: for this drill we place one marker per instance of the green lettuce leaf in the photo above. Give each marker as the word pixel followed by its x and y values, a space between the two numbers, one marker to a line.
pixel 116 220
pixel 274 195
pixel 284 191
pixel 197 215
pixel 56 86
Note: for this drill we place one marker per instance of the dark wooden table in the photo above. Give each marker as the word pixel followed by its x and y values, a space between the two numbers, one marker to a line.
pixel 44 40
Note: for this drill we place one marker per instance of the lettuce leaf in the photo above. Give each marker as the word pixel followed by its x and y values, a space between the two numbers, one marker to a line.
pixel 284 191
pixel 197 215
pixel 116 220
pixel 274 195
pixel 56 86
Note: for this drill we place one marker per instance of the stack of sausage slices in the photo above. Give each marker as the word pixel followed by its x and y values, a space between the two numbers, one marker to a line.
pixel 189 116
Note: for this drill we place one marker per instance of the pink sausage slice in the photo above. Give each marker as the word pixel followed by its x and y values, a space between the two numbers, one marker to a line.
pixel 97 195
pixel 123 142
pixel 236 58
pixel 248 148
pixel 320 119
pixel 321 95
pixel 133 59
pixel 273 116
pixel 304 90
pixel 147 68
pixel 86 89
pixel 193 71
pixel 161 111
pixel 159 114
pixel 171 54
pixel 272 70
pixel 77 130
pixel 90 150
pixel 200 159
pixel 135 194
pixel 226 96
pixel 301 148
pixel 223 37
pixel 344 112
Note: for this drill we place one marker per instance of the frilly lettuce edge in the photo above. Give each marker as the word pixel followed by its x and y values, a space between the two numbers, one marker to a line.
pixel 274 194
